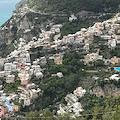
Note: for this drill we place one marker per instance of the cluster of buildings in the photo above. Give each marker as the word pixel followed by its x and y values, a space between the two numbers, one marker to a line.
pixel 115 77
pixel 73 104
pixel 7 106
pixel 109 30
pixel 115 60
pixel 25 94
pixel 19 67
pixel 93 57
pixel 57 58
pixel 28 94
pixel 19 61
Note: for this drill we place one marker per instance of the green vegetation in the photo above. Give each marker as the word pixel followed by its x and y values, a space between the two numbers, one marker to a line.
pixel 105 50
pixel 69 7
pixel 114 52
pixel 74 6
pixel 5 49
pixel 110 110
pixel 75 74
pixel 98 39
pixel 20 4
pixel 74 26
pixel 11 87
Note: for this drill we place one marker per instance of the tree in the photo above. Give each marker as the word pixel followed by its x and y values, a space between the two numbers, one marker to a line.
pixel 48 114
pixel 99 63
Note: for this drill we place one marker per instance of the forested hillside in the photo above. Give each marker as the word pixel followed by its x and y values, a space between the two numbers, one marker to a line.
pixel 32 21
pixel 75 6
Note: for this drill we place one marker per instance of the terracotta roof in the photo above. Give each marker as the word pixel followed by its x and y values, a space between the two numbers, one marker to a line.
pixel 21 87
pixel 16 106
pixel 3 108
pixel 27 100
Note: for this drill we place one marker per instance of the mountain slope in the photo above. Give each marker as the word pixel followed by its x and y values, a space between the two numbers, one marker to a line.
pixel 86 11
pixel 75 6
pixel 29 22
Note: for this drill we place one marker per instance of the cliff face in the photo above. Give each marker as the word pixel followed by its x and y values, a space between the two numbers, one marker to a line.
pixel 23 23
pixel 107 90
pixel 20 4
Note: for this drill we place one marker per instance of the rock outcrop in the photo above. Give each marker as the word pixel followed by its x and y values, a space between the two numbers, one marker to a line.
pixel 107 90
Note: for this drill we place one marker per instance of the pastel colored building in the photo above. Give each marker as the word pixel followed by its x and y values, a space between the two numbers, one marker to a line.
pixel 58 59
pixel 9 106
pixel 15 108
pixel 117 38
pixel 31 86
pixel 27 102
pixel 10 78
pixel 3 111
pixel 2 73
pixel 24 78
pixel 115 60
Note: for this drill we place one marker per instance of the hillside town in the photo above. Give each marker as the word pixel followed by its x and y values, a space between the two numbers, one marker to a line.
pixel 72 102
pixel 18 66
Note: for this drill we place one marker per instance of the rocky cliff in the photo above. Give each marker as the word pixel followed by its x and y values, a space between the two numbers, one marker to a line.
pixel 107 90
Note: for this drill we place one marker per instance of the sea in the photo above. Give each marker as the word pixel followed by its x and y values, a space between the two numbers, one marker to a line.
pixel 6 9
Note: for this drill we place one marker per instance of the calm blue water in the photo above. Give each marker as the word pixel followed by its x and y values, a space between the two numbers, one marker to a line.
pixel 6 9
pixel 118 69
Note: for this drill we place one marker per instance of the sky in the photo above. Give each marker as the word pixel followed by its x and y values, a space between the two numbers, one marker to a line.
pixel 6 9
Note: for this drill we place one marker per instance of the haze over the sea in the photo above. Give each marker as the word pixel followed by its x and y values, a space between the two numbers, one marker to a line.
pixel 6 9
